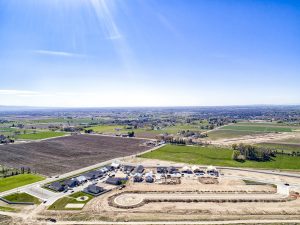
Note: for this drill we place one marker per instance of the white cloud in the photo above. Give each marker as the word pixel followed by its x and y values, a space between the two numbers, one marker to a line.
pixel 17 92
pixel 57 53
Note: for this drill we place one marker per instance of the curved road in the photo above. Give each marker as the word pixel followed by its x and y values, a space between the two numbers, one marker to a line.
pixel 132 199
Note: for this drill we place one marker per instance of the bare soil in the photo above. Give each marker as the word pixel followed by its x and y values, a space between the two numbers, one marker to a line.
pixel 99 208
pixel 65 154
pixel 257 138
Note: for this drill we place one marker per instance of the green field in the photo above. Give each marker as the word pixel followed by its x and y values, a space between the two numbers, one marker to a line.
pixel 170 130
pixel 218 157
pixel 22 197
pixel 18 181
pixel 62 120
pixel 40 135
pixel 257 128
pixel 61 203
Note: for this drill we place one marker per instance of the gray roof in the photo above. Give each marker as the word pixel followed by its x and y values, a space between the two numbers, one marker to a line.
pixel 140 169
pixel 128 168
pixel 114 180
pixel 93 174
pixel 94 189
pixel 56 186
pixel 71 182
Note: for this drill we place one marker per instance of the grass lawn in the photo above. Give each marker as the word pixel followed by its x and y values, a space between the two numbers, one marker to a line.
pixel 61 203
pixel 7 209
pixel 9 183
pixel 22 197
pixel 40 135
pixel 250 182
pixel 218 157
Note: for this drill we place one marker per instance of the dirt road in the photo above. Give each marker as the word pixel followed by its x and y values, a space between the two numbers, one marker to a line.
pixel 181 222
pixel 132 199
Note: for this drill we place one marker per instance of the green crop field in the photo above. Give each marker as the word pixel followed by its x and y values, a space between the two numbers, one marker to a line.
pixel 40 135
pixel 218 157
pixel 18 181
pixel 222 134
pixel 121 129
pixel 61 203
pixel 22 197
pixel 61 120
pixel 257 128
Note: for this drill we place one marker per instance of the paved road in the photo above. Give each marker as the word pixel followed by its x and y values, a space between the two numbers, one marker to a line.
pixel 36 189
pixel 227 222
pixel 295 175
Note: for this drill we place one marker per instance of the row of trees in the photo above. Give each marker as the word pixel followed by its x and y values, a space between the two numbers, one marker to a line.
pixel 244 152
pixel 282 152
pixel 5 172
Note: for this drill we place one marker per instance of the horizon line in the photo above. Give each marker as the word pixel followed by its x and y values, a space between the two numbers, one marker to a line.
pixel 171 106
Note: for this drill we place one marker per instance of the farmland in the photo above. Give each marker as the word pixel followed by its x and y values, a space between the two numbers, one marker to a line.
pixel 250 129
pixel 41 135
pixel 257 128
pixel 65 154
pixel 18 181
pixel 222 134
pixel 219 157
pixel 147 131
pixel 29 134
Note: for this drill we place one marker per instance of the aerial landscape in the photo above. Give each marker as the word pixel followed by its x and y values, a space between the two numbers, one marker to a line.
pixel 149 112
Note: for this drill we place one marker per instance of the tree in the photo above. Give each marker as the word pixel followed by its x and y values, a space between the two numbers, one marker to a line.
pixel 234 146
pixel 235 154
pixel 131 134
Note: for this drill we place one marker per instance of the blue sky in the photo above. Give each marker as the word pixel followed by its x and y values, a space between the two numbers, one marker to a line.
pixel 149 52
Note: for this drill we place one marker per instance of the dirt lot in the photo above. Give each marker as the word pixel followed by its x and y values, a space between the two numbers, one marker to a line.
pixel 253 139
pixel 99 207
pixel 65 154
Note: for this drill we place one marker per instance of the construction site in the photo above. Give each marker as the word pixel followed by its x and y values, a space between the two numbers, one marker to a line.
pixel 189 196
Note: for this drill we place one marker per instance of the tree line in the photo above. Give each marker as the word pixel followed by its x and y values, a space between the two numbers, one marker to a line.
pixel 243 152
pixel 6 172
